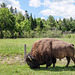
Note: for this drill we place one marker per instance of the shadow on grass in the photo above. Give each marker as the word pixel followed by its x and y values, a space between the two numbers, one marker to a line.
pixel 57 68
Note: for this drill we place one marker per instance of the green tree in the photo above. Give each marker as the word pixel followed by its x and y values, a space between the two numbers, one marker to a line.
pixel 59 24
pixel 65 25
pixel 51 21
pixel 19 17
pixel 34 23
pixel 7 20
pixel 73 26
pixel 11 9
pixel 15 10
pixel 41 24
pixel 25 25
pixel 38 20
pixel 26 14
pixel 3 5
pixel 31 22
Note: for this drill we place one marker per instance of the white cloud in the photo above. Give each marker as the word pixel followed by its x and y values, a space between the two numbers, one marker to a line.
pixel 35 3
pixel 63 8
pixel 42 18
pixel 46 3
pixel 12 3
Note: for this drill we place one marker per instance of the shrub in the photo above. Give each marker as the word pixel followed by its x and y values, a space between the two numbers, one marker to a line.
pixel 32 34
pixel 68 35
pixel 6 34
pixel 51 34
pixel 16 34
pixel 25 34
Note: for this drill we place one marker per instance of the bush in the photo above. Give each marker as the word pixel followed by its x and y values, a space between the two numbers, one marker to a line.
pixel 32 34
pixel 51 34
pixel 6 34
pixel 68 35
pixel 25 34
pixel 16 34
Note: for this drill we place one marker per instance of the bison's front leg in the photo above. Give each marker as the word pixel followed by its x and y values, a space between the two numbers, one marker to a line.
pixel 53 61
pixel 48 63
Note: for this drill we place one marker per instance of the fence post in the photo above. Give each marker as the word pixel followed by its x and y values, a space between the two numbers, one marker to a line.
pixel 25 53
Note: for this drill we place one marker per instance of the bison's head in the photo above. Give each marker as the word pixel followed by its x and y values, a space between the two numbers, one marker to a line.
pixel 31 61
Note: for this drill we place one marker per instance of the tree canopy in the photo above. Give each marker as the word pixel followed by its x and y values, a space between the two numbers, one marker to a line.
pixel 15 24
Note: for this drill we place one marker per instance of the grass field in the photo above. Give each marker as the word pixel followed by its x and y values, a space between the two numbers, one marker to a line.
pixel 12 59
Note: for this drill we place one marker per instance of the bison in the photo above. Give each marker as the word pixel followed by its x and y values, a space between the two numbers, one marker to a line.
pixel 46 51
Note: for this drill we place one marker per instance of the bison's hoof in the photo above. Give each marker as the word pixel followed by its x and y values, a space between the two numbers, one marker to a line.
pixel 66 66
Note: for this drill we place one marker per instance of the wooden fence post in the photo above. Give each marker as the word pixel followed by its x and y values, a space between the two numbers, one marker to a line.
pixel 25 53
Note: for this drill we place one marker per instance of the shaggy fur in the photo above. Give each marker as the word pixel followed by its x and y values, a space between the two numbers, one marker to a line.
pixel 45 51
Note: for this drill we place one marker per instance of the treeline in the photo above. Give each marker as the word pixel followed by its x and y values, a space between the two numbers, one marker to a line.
pixel 14 24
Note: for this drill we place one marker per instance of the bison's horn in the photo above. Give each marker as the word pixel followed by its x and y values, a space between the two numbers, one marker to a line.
pixel 30 58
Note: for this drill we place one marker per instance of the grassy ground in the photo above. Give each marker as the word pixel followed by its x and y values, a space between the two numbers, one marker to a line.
pixel 25 70
pixel 12 62
pixel 15 46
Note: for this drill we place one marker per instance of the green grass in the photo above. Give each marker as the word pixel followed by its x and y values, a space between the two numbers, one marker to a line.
pixel 9 48
pixel 25 70
pixel 16 46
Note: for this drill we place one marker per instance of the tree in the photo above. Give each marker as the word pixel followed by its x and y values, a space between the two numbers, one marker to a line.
pixel 15 10
pixel 26 14
pixel 38 21
pixel 71 19
pixel 31 22
pixel 41 25
pixel 11 10
pixel 19 17
pixel 51 21
pixel 35 23
pixel 59 24
pixel 3 5
pixel 65 25
pixel 73 26
pixel 25 25
pixel 7 20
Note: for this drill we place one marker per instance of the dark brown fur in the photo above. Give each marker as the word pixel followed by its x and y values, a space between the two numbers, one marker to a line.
pixel 45 51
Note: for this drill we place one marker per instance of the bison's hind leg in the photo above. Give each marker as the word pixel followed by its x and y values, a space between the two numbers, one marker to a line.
pixel 73 59
pixel 68 61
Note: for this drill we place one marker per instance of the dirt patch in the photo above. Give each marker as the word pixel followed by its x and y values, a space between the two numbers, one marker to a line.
pixel 18 59
pixel 12 60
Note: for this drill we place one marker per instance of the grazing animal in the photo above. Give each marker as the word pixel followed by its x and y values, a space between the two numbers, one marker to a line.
pixel 45 51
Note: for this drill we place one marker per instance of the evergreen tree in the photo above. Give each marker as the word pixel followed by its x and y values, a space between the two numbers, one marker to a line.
pixel 71 19
pixel 26 14
pixel 15 10
pixel 41 25
pixel 3 5
pixel 52 21
pixel 35 23
pixel 11 9
pixel 31 22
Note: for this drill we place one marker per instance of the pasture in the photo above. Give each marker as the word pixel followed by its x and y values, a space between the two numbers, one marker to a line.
pixel 12 59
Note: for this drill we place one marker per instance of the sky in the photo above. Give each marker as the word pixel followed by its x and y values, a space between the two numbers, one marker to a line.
pixel 44 8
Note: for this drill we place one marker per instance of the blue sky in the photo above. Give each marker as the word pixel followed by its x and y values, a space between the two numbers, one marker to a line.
pixel 44 8
pixel 31 9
